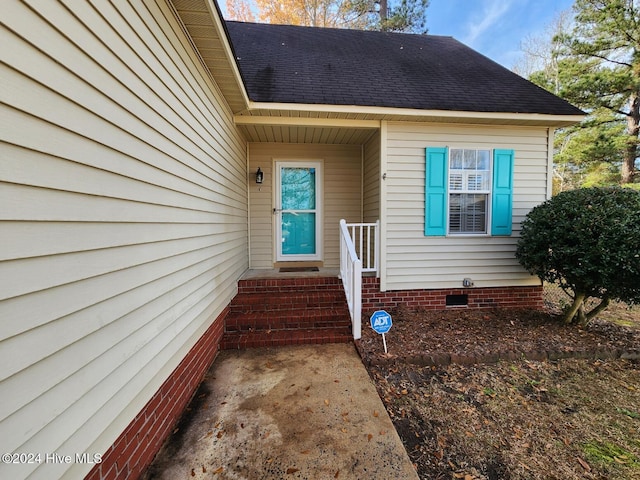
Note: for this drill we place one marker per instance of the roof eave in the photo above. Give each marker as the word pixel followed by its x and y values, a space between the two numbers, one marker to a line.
pixel 262 111
pixel 223 67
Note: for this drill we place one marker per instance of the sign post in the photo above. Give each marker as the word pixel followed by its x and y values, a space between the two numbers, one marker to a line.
pixel 381 323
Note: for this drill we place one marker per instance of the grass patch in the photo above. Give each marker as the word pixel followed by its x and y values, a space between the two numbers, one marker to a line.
pixel 610 455
pixel 628 413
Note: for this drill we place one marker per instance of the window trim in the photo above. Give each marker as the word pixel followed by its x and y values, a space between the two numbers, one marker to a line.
pixel 488 193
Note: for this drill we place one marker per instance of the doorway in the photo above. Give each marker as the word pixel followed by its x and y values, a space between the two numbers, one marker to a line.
pixel 298 211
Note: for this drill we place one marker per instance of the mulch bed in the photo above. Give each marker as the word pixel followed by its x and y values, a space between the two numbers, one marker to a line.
pixel 472 397
pixel 466 337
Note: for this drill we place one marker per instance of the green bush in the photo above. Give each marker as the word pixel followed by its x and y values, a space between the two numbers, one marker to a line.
pixel 587 241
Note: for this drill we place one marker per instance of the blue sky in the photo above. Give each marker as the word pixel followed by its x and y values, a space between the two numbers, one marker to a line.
pixel 495 28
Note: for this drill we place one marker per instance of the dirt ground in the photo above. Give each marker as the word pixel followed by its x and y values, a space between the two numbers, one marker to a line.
pixel 504 394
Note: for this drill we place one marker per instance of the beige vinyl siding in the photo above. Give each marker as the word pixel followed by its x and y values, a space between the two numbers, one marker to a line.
pixel 341 171
pixel 414 260
pixel 371 180
pixel 123 220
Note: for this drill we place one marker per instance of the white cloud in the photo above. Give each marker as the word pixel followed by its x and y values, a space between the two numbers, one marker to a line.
pixel 491 14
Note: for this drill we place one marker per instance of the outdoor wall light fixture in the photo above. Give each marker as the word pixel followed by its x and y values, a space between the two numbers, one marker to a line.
pixel 259 176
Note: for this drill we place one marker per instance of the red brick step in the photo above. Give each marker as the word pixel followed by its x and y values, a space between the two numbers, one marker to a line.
pixel 287 311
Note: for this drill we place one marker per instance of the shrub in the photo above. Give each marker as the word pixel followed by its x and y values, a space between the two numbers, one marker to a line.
pixel 587 241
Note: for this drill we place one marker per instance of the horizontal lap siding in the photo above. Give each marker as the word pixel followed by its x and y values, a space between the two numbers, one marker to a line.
pixel 123 216
pixel 416 261
pixel 342 197
pixel 371 179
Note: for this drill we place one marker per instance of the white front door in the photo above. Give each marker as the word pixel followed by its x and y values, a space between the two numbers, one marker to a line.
pixel 298 211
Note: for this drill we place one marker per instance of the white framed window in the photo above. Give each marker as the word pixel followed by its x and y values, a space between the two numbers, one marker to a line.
pixel 469 190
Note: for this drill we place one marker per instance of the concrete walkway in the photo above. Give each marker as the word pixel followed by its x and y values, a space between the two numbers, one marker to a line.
pixel 306 412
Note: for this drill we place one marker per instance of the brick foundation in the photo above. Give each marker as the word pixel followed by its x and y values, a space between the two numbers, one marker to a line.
pixel 492 297
pixel 136 447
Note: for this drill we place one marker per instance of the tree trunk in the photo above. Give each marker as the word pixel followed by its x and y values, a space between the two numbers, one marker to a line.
pixel 631 151
pixel 592 314
pixel 383 11
pixel 578 300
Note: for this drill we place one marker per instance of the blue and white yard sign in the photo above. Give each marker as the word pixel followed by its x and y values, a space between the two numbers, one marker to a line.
pixel 381 323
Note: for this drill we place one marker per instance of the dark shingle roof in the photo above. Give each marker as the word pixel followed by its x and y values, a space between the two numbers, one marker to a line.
pixel 292 64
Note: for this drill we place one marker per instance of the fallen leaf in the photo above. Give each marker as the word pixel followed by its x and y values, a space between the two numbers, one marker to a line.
pixel 204 470
pixel 305 452
pixel 326 402
pixel 292 470
pixel 375 413
pixel 209 433
pixel 584 464
pixel 383 432
pixel 220 434
pixel 306 389
pixel 337 474
pixel 218 470
pixel 369 437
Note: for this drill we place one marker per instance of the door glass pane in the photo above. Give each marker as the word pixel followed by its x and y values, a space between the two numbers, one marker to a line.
pixel 298 233
pixel 298 188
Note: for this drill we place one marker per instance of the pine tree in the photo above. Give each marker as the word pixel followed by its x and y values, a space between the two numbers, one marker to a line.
pixel 599 70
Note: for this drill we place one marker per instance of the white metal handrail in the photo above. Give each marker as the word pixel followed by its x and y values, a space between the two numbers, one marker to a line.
pixel 351 275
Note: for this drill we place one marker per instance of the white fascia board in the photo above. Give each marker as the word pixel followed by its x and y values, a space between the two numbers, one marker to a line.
pixel 437 115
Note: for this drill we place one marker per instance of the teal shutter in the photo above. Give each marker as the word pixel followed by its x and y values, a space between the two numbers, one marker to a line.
pixel 435 222
pixel 502 192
